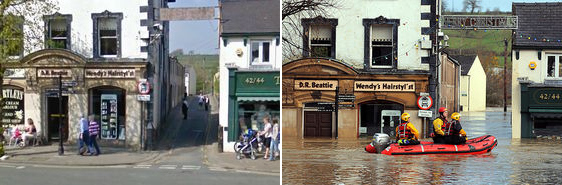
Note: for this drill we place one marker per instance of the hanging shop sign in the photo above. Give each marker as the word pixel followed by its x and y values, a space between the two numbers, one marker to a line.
pixel 381 86
pixel 12 107
pixel 110 73
pixel 54 73
pixel 425 101
pixel 322 85
pixel 478 22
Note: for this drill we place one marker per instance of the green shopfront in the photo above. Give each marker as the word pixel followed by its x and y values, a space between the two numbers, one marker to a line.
pixel 541 110
pixel 252 95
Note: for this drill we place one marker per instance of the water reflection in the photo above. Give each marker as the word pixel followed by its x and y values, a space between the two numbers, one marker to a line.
pixel 517 161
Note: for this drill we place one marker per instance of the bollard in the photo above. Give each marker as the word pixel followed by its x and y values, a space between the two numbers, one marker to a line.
pixel 220 140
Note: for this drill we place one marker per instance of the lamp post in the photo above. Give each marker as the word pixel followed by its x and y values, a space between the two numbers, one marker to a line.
pixel 61 149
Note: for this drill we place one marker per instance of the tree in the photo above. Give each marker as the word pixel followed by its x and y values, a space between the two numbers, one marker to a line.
pixel 444 6
pixel 293 11
pixel 14 40
pixel 177 52
pixel 472 5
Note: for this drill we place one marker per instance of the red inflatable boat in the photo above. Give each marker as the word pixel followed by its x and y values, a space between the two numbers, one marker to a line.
pixel 479 145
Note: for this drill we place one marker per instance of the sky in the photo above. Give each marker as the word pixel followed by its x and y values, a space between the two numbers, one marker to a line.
pixel 201 37
pixel 504 5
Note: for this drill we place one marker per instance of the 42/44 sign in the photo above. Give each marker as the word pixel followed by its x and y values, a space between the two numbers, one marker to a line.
pixel 254 80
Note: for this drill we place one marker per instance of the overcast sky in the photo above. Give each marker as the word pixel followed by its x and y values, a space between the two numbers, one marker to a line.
pixel 202 37
pixel 504 5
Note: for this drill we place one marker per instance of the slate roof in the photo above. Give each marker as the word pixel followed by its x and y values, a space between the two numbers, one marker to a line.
pixel 540 21
pixel 250 17
pixel 466 62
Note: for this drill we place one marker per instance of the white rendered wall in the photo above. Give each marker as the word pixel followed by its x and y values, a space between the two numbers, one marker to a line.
pixel 350 30
pixel 477 91
pixel 82 25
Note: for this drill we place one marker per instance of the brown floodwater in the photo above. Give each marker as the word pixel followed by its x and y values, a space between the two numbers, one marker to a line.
pixel 513 161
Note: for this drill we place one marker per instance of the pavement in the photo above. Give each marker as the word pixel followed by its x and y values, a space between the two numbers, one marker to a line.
pixel 191 142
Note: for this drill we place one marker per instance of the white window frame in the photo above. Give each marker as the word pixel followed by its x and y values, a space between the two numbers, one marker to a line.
pixel 116 37
pixel 557 63
pixel 260 52
pixel 371 50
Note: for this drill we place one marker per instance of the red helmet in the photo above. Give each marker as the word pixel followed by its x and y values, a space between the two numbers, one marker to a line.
pixel 370 148
pixel 442 109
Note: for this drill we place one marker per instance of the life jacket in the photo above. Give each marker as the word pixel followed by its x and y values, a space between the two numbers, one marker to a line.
pixel 404 132
pixel 447 127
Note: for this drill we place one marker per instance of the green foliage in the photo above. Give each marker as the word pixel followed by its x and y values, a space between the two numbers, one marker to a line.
pixel 479 41
pixel 205 66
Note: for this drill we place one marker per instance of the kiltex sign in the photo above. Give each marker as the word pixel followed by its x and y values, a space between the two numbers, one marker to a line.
pixel 110 73
pixel 316 84
pixel 392 86
pixel 480 22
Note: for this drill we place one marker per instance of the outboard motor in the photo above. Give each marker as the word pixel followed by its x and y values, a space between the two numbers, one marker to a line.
pixel 379 143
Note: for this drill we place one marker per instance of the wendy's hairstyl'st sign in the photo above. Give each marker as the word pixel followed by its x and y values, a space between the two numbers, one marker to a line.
pixel 392 86
pixel 478 22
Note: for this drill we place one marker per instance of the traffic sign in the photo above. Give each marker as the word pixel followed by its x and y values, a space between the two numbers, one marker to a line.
pixel 143 97
pixel 425 113
pixel 346 105
pixel 143 86
pixel 425 102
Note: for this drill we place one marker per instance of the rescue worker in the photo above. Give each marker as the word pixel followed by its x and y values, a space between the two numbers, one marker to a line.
pixel 438 135
pixel 406 133
pixel 454 134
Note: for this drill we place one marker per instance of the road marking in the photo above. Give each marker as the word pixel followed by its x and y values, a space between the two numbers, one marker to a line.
pixel 20 167
pixel 168 167
pixel 7 166
pixel 144 166
pixel 190 167
pixel 218 169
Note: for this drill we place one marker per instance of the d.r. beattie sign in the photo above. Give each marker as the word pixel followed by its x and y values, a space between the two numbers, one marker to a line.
pixel 316 84
pixel 480 22
pixel 385 86
pixel 54 73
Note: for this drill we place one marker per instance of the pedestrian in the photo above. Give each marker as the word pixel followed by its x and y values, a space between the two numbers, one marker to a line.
pixel 276 136
pixel 83 136
pixel 184 108
pixel 201 100
pixel 93 131
pixel 267 132
pixel 206 103
pixel 29 132
pixel 454 134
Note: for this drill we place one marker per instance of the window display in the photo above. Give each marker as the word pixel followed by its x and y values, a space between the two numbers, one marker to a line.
pixel 108 105
pixel 251 114
pixel 108 116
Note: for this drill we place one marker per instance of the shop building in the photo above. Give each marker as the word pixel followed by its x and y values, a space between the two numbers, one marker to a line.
pixel 362 67
pixel 101 52
pixel 537 75
pixel 250 58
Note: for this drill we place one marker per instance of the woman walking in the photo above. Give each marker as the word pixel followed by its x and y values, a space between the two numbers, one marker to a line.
pixel 93 131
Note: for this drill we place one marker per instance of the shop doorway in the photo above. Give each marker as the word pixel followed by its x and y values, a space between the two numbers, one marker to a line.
pixel 379 117
pixel 317 124
pixel 53 115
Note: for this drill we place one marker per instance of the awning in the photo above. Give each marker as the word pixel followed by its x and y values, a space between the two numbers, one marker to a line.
pixel 258 98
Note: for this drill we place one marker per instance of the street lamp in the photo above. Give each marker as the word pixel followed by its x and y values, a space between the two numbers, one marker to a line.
pixel 61 148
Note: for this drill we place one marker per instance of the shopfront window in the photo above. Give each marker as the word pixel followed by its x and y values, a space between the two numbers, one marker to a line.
pixel 108 106
pixel 251 114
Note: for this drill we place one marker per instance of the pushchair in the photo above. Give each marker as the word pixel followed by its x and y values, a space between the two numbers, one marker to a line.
pixel 248 145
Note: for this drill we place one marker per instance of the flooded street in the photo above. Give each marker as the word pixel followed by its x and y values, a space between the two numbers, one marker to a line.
pixel 513 161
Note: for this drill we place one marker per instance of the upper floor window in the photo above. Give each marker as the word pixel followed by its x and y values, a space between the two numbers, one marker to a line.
pixel 260 52
pixel 320 41
pixel 381 46
pixel 107 34
pixel 57 33
pixel 319 37
pixel 554 68
pixel 11 40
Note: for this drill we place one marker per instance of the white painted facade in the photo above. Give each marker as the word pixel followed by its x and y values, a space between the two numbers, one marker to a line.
pixel 473 88
pixel 521 70
pixel 350 34
pixel 228 56
pixel 82 26
pixel 190 79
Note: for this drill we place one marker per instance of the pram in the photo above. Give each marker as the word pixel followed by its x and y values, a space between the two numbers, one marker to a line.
pixel 248 145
